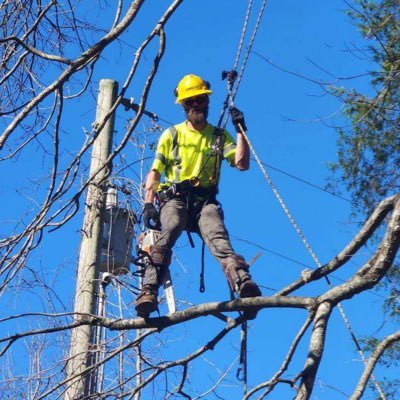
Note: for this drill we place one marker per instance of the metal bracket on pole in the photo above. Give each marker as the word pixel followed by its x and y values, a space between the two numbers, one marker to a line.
pixel 130 105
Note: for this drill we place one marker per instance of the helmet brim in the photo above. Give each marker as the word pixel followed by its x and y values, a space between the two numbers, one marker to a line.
pixel 193 94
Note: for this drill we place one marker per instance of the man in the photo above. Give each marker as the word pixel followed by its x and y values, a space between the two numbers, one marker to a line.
pixel 189 155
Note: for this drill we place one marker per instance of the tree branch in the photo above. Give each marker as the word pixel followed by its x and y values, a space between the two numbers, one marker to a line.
pixel 369 368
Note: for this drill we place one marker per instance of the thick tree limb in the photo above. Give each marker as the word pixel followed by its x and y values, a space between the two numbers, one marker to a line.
pixel 376 267
pixel 370 226
pixel 315 352
pixel 165 321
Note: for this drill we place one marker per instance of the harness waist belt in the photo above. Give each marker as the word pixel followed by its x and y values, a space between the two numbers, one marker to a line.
pixel 184 188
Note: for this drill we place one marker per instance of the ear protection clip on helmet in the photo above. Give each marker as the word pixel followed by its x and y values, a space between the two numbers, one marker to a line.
pixel 191 86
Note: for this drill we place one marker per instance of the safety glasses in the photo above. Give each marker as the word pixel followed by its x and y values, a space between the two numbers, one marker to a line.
pixel 191 101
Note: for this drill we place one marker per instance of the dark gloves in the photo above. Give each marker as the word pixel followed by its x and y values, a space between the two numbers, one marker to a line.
pixel 150 213
pixel 238 118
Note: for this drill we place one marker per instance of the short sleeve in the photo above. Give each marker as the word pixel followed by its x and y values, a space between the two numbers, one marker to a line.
pixel 163 150
pixel 229 148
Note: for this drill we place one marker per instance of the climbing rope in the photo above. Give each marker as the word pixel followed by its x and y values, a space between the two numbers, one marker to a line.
pixel 249 47
pixel 242 36
pixel 232 94
pixel 241 373
pixel 232 76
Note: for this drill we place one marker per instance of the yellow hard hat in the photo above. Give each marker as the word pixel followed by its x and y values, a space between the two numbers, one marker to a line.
pixel 190 86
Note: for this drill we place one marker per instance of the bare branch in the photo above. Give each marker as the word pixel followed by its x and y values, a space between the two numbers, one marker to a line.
pixel 370 226
pixel 371 364
pixel 315 352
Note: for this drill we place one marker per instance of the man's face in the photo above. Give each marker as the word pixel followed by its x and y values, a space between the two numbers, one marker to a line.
pixel 196 109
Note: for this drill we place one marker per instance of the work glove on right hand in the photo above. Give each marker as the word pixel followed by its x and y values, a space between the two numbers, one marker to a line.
pixel 150 213
pixel 238 118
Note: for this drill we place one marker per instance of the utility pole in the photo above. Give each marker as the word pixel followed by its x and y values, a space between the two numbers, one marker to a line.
pixel 81 344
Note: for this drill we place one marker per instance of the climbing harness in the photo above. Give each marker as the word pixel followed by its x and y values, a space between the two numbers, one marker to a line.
pixel 241 372
pixel 188 189
pixel 202 288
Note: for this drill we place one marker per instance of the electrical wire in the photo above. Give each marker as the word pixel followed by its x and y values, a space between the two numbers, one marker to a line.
pixel 285 257
pixel 305 182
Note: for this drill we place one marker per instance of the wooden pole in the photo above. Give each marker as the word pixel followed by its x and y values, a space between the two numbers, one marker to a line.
pixel 90 249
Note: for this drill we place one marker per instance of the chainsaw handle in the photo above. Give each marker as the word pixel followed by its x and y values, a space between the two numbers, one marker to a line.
pixel 155 227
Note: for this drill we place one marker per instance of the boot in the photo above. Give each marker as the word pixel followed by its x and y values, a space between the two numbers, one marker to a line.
pixel 236 271
pixel 249 289
pixel 146 302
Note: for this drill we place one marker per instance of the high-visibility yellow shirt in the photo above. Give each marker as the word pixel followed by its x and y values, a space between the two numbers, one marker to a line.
pixel 183 153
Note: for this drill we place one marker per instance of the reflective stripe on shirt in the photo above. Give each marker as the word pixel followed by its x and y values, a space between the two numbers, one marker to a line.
pixel 183 153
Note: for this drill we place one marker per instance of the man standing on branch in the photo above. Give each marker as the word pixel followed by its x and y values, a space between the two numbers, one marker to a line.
pixel 189 155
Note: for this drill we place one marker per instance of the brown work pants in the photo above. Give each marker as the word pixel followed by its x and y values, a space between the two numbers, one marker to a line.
pixel 207 221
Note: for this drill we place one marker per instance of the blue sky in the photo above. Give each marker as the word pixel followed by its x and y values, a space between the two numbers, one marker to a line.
pixel 289 122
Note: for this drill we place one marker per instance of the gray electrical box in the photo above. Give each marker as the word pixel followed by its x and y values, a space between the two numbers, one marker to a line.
pixel 116 252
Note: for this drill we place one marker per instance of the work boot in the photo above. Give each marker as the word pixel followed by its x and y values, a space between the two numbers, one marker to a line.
pixel 237 273
pixel 146 302
pixel 249 289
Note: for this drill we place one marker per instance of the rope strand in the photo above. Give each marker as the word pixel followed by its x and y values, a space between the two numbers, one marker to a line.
pixel 249 47
pixel 244 29
pixel 232 95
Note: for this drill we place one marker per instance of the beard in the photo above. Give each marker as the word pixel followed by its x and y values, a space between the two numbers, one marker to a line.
pixel 197 116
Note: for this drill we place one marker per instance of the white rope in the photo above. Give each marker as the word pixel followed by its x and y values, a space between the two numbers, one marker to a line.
pixel 241 41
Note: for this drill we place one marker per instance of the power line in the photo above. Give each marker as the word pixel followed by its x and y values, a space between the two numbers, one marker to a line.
pixel 275 253
pixel 269 251
pixel 305 182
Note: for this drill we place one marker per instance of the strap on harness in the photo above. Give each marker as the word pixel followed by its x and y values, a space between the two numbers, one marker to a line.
pixel 241 373
pixel 190 239
pixel 188 186
pixel 218 144
pixel 217 150
pixel 202 288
